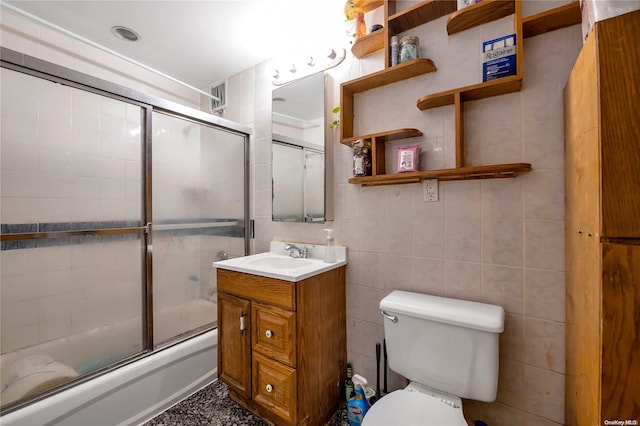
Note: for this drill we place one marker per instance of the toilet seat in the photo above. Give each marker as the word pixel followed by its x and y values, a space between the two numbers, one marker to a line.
pixel 411 408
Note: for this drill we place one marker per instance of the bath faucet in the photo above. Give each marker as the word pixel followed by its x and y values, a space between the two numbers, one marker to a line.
pixel 294 251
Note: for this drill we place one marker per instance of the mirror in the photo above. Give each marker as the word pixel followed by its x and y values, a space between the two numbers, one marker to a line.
pixel 301 158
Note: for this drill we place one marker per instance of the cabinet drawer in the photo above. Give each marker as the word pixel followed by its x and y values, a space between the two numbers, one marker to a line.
pixel 274 333
pixel 274 387
pixel 262 289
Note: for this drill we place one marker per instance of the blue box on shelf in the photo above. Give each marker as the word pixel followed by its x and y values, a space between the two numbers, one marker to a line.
pixel 499 58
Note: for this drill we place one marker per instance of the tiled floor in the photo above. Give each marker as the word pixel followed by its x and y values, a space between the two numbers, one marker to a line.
pixel 212 406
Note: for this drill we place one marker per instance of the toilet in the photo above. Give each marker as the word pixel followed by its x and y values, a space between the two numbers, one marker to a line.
pixel 447 348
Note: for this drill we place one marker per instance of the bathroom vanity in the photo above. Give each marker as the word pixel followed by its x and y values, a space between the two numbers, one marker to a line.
pixel 282 336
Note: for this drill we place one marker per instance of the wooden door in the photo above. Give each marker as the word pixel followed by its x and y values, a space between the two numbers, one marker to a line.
pixel 234 344
pixel 620 332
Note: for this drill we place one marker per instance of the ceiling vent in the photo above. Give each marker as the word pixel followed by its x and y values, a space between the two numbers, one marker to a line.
pixel 219 101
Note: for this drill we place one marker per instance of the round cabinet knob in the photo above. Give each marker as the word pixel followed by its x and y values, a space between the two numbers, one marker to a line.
pixel 269 388
pixel 269 334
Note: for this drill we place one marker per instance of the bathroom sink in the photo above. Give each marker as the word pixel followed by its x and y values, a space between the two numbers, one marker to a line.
pixel 277 263
pixel 280 262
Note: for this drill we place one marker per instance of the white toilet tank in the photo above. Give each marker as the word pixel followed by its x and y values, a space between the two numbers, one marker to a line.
pixel 446 344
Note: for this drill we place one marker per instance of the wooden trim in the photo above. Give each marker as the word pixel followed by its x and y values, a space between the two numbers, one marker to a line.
pixel 478 14
pixel 389 135
pixel 473 92
pixel 462 173
pixel 459 127
pixel 368 44
pixel 391 75
pixel 419 14
pixel 551 20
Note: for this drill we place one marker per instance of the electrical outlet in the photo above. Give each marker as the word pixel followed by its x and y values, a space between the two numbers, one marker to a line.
pixel 430 189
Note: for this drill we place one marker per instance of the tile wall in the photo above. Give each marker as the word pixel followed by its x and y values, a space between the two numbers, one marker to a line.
pixel 495 241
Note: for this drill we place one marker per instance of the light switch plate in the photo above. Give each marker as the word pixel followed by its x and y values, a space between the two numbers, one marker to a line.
pixel 430 189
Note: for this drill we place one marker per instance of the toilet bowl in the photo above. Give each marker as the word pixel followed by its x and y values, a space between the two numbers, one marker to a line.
pixel 448 348
pixel 416 405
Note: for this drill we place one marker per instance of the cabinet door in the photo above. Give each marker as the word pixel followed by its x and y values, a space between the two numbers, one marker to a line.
pixel 620 331
pixel 234 345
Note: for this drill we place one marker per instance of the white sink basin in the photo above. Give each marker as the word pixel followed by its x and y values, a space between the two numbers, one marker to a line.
pixel 278 264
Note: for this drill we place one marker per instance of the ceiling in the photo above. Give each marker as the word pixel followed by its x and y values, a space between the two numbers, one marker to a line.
pixel 201 42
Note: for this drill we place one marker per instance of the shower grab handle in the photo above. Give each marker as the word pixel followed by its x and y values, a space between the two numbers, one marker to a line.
pixel 392 318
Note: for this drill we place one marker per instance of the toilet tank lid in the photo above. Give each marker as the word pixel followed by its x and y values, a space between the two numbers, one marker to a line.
pixel 464 313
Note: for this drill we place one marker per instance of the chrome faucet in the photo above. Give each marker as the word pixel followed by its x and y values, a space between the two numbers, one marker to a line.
pixel 294 251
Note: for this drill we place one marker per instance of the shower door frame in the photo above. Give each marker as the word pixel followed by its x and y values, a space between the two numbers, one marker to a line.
pixel 19 62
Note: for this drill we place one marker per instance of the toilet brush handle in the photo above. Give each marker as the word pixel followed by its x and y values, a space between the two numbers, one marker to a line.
pixel 378 369
pixel 384 346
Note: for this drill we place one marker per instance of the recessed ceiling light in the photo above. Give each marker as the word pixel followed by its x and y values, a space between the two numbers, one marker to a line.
pixel 125 33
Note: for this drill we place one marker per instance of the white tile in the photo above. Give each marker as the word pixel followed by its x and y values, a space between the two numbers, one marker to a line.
pixel 56 135
pixel 18 184
pixel 19 210
pixel 428 276
pixel 19 131
pixel 55 186
pixel 85 119
pixel 545 393
pixel 462 199
pixel 544 245
pixel 19 96
pixel 19 158
pixel 462 239
pixel 428 237
pixel 502 199
pixel 463 280
pixel 544 194
pixel 113 107
pixel 544 143
pixel 503 286
pixel 55 161
pixel 502 242
pixel 86 143
pixel 54 104
pixel 545 294
pixel 86 188
pixel 399 236
pixel 545 344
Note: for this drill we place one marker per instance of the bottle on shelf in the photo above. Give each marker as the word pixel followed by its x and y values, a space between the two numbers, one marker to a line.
pixel 394 51
pixel 348 383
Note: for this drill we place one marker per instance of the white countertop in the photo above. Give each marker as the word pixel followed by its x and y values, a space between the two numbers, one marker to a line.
pixel 278 264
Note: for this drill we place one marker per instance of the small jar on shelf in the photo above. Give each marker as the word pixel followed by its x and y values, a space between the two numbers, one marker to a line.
pixel 409 48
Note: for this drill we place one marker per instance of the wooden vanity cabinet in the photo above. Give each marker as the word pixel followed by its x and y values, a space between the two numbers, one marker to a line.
pixel 282 345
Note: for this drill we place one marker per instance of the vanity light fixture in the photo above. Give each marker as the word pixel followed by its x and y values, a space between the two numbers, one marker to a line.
pixel 333 59
pixel 125 33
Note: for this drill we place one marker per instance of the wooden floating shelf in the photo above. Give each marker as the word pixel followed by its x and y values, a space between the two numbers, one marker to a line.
pixel 495 171
pixel 419 14
pixel 487 89
pixel 368 44
pixel 551 20
pixel 390 135
pixel 478 14
pixel 400 72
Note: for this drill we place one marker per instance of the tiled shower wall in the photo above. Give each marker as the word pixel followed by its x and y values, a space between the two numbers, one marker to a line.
pixel 496 241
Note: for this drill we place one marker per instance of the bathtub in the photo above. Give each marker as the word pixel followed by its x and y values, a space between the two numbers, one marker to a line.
pixel 129 395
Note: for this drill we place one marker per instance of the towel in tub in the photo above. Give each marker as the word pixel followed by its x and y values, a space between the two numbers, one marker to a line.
pixel 32 375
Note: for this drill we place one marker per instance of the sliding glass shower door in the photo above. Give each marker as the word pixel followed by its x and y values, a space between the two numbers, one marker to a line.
pixel 198 217
pixel 114 205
